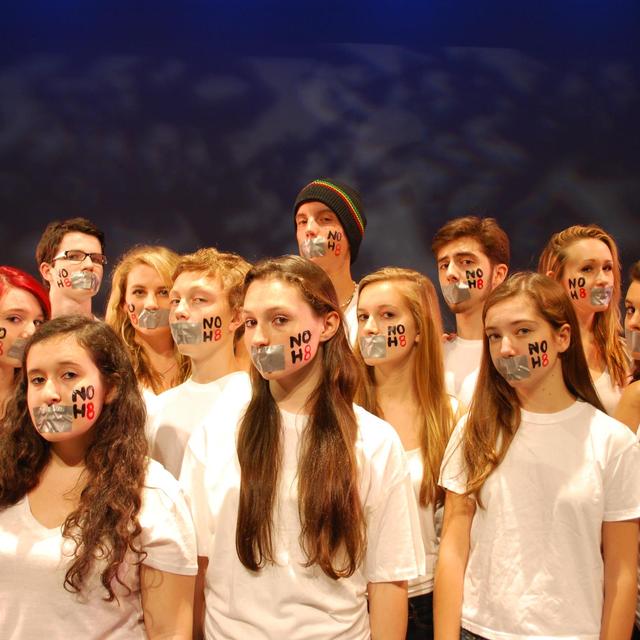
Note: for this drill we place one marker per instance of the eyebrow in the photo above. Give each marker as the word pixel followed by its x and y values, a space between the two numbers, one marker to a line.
pixel 276 309
pixel 326 210
pixel 459 254
pixel 514 323
pixel 21 310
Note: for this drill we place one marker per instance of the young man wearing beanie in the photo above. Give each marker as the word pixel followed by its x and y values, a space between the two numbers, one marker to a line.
pixel 330 224
pixel 472 255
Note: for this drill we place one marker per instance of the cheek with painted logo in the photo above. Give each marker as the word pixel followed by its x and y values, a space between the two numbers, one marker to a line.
pixel 212 329
pixel 475 278
pixel 300 347
pixel 133 316
pixel 62 418
pixel 538 354
pixel 577 288
pixel 396 336
pixel 334 242
pixel 3 335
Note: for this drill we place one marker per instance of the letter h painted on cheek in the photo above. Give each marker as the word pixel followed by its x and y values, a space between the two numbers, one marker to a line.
pixel 298 341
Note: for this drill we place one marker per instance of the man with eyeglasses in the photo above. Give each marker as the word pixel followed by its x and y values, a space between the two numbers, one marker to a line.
pixel 71 260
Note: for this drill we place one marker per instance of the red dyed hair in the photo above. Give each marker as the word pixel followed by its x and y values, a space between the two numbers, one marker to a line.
pixel 12 277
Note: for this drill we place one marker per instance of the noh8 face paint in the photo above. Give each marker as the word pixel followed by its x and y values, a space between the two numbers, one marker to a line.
pixel 597 296
pixel 86 280
pixel 62 418
pixel 207 330
pixel 274 358
pixel 319 246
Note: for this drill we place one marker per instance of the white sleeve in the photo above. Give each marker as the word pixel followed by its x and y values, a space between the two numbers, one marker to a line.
pixel 167 534
pixel 453 476
pixel 622 484
pixel 394 541
pixel 192 481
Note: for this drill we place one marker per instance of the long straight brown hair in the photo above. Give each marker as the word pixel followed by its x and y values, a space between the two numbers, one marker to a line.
pixel 333 534
pixel 435 413
pixel 494 413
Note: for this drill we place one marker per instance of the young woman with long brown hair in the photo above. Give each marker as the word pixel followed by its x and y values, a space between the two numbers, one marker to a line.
pixel 138 311
pixel 584 259
pixel 400 349
pixel 628 410
pixel 302 501
pixel 95 539
pixel 24 306
pixel 540 530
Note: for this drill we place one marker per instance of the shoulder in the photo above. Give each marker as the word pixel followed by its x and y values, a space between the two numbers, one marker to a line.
pixel 374 432
pixel 159 481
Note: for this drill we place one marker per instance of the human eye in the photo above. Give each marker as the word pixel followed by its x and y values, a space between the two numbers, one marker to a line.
pixel 14 319
pixel 69 375
pixel 301 220
pixel 174 302
pixel 607 267
pixel 388 315
pixel 199 300
pixel 629 310
pixel 164 293
pixel 75 255
pixel 493 336
pixel 363 317
pixel 36 380
pixel 523 331
pixel 280 320
pixel 443 266
pixel 249 323
pixel 587 268
pixel 138 292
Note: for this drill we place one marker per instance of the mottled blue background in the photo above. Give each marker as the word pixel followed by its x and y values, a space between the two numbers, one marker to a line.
pixel 196 124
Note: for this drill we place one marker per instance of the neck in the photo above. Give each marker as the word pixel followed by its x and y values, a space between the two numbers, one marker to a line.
pixel 586 320
pixel 469 324
pixel 215 365
pixel 550 396
pixel 394 382
pixel 71 453
pixel 62 305
pixel 344 285
pixel 292 393
pixel 158 344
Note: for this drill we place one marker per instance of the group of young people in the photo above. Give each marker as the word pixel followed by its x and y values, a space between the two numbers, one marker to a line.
pixel 276 451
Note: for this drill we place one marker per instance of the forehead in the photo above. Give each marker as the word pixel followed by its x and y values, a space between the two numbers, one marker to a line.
pixel 80 241
pixel 271 292
pixel 588 249
pixel 382 293
pixel 49 353
pixel 20 299
pixel 197 280
pixel 633 292
pixel 144 274
pixel 519 307
pixel 315 208
pixel 466 244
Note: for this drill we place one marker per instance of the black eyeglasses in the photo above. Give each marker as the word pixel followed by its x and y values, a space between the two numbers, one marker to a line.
pixel 75 255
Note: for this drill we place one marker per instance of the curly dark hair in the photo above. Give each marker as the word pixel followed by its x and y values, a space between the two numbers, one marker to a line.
pixel 105 524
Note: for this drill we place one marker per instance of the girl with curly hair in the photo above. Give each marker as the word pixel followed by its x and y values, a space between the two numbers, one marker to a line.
pixel 584 259
pixel 138 311
pixel 302 501
pixel 95 538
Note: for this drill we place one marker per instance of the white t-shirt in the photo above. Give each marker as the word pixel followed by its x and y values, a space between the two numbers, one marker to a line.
pixel 178 411
pixel 468 388
pixel 33 601
pixel 608 392
pixel 461 357
pixel 535 568
pixel 351 318
pixel 287 600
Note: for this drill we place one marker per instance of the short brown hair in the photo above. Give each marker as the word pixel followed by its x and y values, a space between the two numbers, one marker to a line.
pixel 52 237
pixel 487 231
pixel 229 267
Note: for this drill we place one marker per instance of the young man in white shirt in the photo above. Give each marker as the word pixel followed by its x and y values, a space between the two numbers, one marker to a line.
pixel 204 317
pixel 330 224
pixel 472 255
pixel 70 258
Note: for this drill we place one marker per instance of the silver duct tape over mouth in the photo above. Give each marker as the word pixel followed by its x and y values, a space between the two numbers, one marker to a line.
pixel 314 247
pixel 17 348
pixel 84 280
pixel 633 341
pixel 268 359
pixel 373 347
pixel 516 368
pixel 186 332
pixel 601 296
pixel 456 292
pixel 153 318
pixel 55 418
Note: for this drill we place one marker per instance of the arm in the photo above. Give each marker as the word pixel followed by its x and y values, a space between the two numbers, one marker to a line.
pixel 167 604
pixel 199 601
pixel 388 610
pixel 620 553
pixel 452 563
pixel 628 409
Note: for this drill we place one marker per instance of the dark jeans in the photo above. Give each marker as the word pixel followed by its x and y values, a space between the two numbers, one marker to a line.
pixel 467 635
pixel 420 617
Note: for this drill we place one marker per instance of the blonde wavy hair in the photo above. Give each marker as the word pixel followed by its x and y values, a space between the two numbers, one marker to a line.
pixel 436 415
pixel 164 261
pixel 607 325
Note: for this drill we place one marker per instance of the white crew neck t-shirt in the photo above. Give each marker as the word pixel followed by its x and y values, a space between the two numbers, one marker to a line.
pixel 535 568
pixel 461 357
pixel 33 601
pixel 178 411
pixel 286 599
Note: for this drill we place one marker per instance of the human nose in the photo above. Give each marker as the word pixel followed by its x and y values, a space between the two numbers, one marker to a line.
pixel 506 347
pixel 311 228
pixel 259 337
pixel 50 393
pixel 604 277
pixel 370 327
pixel 181 310
pixel 28 330
pixel 151 301
pixel 452 273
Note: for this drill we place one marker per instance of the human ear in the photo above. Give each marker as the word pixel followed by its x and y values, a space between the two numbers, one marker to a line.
pixel 499 274
pixel 563 338
pixel 550 274
pixel 331 324
pixel 45 272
